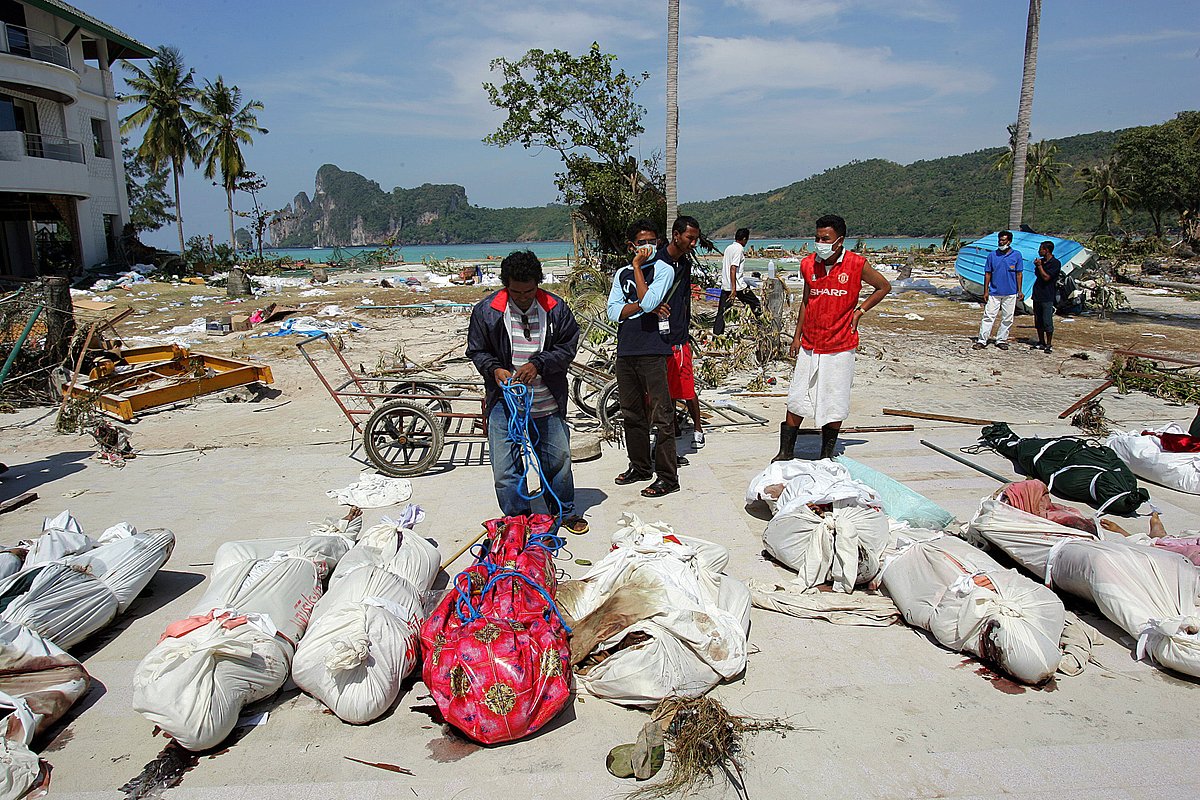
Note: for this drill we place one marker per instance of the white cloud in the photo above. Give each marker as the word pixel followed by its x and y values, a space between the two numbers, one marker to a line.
pixel 757 67
pixel 1101 43
pixel 801 12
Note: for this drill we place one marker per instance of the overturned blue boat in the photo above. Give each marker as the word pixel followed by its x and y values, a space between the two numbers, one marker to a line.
pixel 972 257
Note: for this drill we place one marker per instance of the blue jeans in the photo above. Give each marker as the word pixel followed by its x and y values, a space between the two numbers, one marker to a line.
pixel 553 450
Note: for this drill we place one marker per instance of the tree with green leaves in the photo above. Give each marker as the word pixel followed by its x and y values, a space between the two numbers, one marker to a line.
pixel 1042 170
pixel 149 204
pixel 582 108
pixel 1024 114
pixel 1003 165
pixel 260 218
pixel 223 124
pixel 1106 185
pixel 165 91
pixel 1163 165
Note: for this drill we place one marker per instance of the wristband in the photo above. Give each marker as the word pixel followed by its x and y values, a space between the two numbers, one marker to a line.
pixel 861 310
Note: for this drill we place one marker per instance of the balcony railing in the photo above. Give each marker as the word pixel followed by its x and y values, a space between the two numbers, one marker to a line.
pixel 34 44
pixel 40 145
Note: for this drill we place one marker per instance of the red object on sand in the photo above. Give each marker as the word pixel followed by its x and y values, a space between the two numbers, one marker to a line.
pixel 496 653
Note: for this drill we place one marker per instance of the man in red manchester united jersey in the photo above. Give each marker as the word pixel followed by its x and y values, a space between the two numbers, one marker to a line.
pixel 827 336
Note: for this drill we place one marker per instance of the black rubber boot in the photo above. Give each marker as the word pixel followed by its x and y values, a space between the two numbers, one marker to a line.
pixel 829 439
pixel 787 442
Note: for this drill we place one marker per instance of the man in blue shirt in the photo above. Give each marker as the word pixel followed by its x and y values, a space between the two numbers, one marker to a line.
pixel 637 304
pixel 1001 288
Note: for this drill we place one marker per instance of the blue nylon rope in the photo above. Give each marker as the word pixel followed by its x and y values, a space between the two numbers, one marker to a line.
pixel 518 400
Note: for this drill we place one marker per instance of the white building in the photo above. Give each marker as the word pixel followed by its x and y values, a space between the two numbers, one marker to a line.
pixel 62 181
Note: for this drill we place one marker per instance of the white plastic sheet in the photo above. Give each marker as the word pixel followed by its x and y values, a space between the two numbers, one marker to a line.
pixel 398 549
pixel 325 546
pixel 695 619
pixel 61 536
pixel 1146 457
pixel 821 481
pixel 971 604
pixel 372 490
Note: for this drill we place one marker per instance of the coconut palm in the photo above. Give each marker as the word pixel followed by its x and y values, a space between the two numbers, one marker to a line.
pixel 223 125
pixel 1003 164
pixel 672 108
pixel 1024 112
pixel 165 91
pixel 1042 171
pixel 1104 185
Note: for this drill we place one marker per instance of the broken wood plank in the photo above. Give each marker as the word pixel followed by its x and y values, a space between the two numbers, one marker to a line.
pixel 18 501
pixel 1092 395
pixel 862 429
pixel 760 394
pixel 897 412
pixel 1156 357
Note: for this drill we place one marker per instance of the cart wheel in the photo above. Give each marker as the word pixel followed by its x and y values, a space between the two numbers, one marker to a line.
pixel 402 438
pixel 435 406
pixel 608 403
pixel 584 390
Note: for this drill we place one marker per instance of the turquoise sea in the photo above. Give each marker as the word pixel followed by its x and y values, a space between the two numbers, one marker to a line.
pixel 554 250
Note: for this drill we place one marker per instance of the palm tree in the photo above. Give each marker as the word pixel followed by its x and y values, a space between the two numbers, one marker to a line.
pixel 1003 164
pixel 672 108
pixel 1024 112
pixel 1042 170
pixel 1104 185
pixel 223 125
pixel 165 91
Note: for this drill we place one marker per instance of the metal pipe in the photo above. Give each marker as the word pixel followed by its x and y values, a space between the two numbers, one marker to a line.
pixel 12 356
pixel 962 460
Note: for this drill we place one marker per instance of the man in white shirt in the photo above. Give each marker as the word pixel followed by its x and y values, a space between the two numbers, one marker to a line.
pixel 733 281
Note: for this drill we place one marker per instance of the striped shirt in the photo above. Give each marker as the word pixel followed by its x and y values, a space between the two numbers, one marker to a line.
pixel 526 334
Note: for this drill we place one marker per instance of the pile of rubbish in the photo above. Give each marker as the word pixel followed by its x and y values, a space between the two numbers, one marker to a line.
pixel 56 591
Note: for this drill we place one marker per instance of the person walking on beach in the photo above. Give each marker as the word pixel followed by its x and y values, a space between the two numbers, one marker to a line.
pixel 827 336
pixel 733 282
pixel 524 335
pixel 1001 288
pixel 637 303
pixel 1045 293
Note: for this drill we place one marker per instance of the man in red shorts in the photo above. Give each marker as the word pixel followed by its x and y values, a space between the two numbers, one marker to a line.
pixel 827 336
pixel 681 382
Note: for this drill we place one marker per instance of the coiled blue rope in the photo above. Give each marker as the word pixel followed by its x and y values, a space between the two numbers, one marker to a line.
pixel 518 401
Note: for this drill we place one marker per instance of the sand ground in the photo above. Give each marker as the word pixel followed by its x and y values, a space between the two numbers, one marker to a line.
pixel 881 713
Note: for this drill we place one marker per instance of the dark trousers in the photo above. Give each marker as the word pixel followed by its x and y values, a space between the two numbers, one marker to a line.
pixel 1043 315
pixel 746 296
pixel 646 404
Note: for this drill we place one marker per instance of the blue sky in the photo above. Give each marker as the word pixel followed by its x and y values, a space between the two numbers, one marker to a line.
pixel 771 91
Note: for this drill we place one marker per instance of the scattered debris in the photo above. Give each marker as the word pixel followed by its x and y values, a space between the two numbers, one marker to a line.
pixel 896 412
pixel 1091 420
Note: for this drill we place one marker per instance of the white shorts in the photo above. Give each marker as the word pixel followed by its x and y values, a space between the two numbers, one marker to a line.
pixel 820 388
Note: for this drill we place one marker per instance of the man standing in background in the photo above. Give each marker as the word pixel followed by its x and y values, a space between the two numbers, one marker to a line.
pixel 733 282
pixel 1045 294
pixel 1001 288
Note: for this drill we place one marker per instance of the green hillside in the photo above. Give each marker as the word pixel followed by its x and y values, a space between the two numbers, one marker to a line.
pixel 882 198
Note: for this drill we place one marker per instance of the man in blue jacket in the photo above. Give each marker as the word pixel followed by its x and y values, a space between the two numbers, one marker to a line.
pixel 526 335
pixel 1001 290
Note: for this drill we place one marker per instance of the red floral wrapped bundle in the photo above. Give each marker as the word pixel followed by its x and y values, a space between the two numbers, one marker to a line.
pixel 496 650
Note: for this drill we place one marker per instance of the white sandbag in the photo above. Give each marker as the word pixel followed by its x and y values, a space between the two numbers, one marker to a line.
pixel 361 644
pixel 324 547
pixel 971 604
pixel 195 685
pixel 1149 592
pixel 844 546
pixel 58 602
pixel 821 481
pixel 1146 457
pixel 38 684
pixel 126 563
pixel 396 548
pixel 694 619
pixel 235 648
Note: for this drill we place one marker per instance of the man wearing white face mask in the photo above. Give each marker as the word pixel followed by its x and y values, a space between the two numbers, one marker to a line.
pixel 827 336
pixel 1001 288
